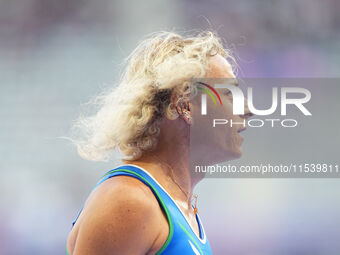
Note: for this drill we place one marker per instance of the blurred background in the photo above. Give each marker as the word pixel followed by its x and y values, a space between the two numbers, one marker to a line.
pixel 55 55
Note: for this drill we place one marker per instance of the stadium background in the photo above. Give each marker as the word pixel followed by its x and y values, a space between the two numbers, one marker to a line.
pixel 56 54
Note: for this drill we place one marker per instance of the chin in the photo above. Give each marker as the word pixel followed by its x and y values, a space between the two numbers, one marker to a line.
pixel 232 152
pixel 227 156
pixel 239 154
pixel 236 154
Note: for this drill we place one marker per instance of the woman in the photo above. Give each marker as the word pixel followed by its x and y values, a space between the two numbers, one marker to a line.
pixel 147 208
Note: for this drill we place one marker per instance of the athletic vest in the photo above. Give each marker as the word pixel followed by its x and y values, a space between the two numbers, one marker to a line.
pixel 181 239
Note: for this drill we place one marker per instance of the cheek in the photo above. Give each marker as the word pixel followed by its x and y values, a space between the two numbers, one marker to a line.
pixel 228 108
pixel 220 136
pixel 236 120
pixel 224 132
pixel 232 137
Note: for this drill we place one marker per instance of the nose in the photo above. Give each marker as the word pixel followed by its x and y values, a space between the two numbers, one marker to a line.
pixel 247 114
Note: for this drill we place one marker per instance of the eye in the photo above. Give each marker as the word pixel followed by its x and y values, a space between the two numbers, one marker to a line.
pixel 227 92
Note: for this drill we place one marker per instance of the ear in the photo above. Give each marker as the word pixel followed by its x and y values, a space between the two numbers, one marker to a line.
pixel 182 106
pixel 187 118
pixel 184 112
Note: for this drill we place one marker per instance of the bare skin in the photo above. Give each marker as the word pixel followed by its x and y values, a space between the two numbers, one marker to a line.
pixel 122 216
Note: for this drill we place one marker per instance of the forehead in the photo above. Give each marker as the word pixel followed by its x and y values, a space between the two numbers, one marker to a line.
pixel 219 67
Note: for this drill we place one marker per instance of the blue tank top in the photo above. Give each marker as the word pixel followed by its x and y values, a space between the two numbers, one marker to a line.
pixel 181 239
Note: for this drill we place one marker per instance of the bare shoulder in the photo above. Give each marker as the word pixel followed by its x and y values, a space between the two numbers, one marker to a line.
pixel 121 215
pixel 131 191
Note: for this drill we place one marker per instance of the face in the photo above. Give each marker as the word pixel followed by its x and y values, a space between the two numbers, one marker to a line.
pixel 224 141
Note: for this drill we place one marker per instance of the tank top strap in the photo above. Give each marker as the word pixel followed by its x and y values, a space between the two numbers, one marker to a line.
pixel 134 171
pixel 171 205
pixel 141 174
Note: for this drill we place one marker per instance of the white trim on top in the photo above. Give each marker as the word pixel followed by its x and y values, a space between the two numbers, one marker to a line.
pixel 203 241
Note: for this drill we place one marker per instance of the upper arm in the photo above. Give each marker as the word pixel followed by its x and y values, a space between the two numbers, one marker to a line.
pixel 120 218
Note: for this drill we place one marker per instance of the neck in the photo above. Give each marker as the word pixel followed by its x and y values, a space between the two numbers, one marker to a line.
pixel 169 164
pixel 178 175
pixel 173 173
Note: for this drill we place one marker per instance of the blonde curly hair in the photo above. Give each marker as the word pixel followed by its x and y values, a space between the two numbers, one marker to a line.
pixel 129 114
